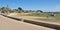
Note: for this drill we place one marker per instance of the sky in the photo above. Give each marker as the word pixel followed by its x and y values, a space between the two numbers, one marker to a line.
pixel 44 5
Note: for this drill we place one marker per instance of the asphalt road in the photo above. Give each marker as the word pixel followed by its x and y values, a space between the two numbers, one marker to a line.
pixel 11 24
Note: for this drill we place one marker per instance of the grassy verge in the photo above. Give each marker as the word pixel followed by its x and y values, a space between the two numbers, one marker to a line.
pixel 56 18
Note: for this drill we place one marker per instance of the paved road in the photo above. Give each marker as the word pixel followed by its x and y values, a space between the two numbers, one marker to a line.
pixel 10 24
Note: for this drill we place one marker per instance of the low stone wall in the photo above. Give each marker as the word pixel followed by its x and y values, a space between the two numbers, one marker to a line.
pixel 57 27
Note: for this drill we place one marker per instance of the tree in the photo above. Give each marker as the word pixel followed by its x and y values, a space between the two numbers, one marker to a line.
pixel 2 8
pixel 5 10
pixel 20 9
pixel 15 10
pixel 39 11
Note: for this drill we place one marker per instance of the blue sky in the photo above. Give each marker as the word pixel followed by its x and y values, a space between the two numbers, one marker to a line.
pixel 44 5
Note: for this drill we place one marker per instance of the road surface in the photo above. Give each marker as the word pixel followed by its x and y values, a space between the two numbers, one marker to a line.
pixel 11 24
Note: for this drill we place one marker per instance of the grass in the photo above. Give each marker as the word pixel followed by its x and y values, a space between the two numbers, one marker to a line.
pixel 56 18
pixel 37 14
